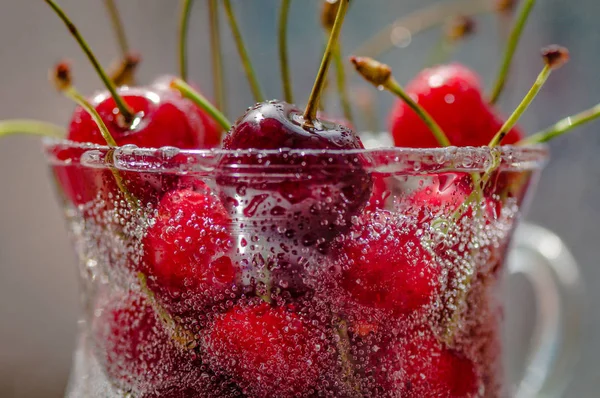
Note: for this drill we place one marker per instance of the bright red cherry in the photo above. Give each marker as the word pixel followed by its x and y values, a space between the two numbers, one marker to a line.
pixel 421 367
pixel 186 250
pixel 269 352
pixel 318 193
pixel 135 349
pixel 452 95
pixel 385 266
pixel 165 118
pixel 211 132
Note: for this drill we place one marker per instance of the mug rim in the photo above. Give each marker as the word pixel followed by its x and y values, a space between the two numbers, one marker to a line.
pixel 385 159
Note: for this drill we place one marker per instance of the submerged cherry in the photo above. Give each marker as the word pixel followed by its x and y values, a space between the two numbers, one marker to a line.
pixel 270 352
pixel 419 366
pixel 135 349
pixel 385 266
pixel 452 94
pixel 186 250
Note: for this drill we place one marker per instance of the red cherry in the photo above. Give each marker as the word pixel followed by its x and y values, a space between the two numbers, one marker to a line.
pixel 452 94
pixel 421 367
pixel 212 137
pixel 317 193
pixel 385 266
pixel 186 249
pixel 269 352
pixel 135 349
pixel 165 119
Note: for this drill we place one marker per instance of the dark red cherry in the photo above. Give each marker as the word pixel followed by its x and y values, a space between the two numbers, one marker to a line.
pixel 384 264
pixel 452 95
pixel 313 195
pixel 267 351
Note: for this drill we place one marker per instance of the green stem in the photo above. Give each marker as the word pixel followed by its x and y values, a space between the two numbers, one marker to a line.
pixel 30 127
pixel 184 22
pixel 239 42
pixel 216 55
pixel 286 76
pixel 315 96
pixel 118 27
pixel 124 109
pixel 514 118
pixel 511 47
pixel 563 126
pixel 341 83
pixel 393 86
pixel 188 92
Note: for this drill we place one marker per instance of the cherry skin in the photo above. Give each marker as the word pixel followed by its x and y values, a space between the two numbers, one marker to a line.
pixel 421 367
pixel 384 265
pixel 135 349
pixel 318 193
pixel 186 251
pixel 452 94
pixel 269 352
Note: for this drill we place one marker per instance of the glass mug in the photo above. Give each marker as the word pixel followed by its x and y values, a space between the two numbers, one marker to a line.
pixel 375 273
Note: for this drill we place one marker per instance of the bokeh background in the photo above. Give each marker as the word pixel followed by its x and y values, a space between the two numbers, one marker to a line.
pixel 38 288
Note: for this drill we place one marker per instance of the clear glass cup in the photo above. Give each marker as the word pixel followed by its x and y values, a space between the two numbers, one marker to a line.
pixel 375 273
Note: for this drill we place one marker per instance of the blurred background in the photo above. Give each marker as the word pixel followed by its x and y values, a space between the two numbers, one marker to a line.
pixel 38 287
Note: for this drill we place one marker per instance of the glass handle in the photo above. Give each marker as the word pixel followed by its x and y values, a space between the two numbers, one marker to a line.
pixel 544 260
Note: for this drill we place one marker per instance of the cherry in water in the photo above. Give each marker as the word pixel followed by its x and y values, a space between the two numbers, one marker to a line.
pixel 421 367
pixel 384 265
pixel 186 250
pixel 135 349
pixel 270 352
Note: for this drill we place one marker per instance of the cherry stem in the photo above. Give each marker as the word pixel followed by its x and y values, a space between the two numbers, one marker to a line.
pixel 516 115
pixel 216 55
pixel 343 346
pixel 313 102
pixel 394 87
pixel 124 109
pixel 181 336
pixel 188 92
pixel 286 77
pixel 563 126
pixel 417 22
pixel 239 42
pixel 30 127
pixel 118 26
pixel 184 21
pixel 511 47
pixel 341 83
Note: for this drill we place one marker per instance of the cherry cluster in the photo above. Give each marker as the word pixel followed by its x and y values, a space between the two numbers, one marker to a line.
pixel 291 273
